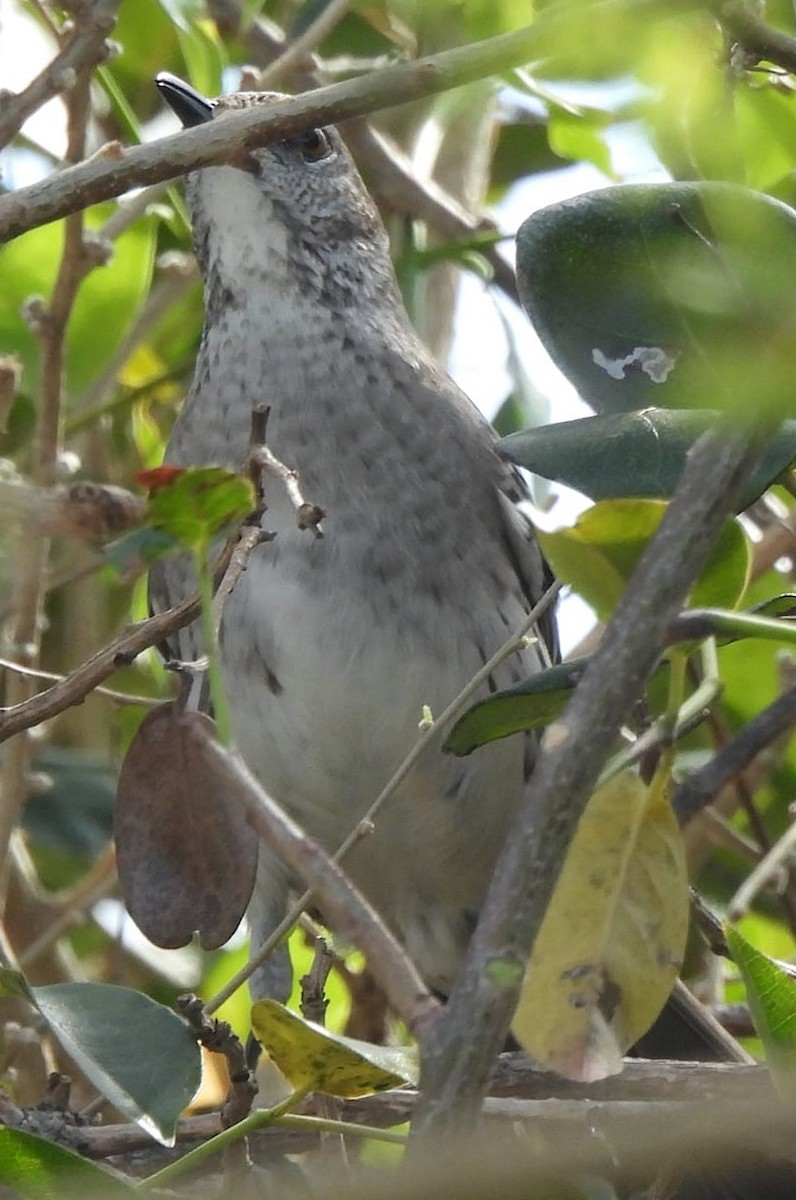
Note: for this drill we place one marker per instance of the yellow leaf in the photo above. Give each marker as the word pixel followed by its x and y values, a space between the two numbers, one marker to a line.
pixel 611 945
pixel 312 1057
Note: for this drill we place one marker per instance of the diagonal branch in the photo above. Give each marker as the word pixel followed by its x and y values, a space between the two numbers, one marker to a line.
pixel 86 48
pixel 463 1045
pixel 73 688
pixel 108 175
pixel 758 40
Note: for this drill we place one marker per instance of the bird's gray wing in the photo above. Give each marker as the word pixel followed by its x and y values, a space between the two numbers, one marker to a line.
pixel 531 567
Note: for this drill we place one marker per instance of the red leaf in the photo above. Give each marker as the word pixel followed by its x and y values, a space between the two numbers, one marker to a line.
pixel 154 478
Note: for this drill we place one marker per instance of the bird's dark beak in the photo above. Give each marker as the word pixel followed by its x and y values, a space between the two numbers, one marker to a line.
pixel 184 101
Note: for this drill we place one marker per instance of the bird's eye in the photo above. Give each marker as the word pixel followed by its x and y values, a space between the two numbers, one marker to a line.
pixel 314 145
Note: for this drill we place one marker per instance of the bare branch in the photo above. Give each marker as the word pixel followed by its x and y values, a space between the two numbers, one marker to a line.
pixel 85 48
pixel 309 40
pixel 700 788
pixel 395 180
pixel 219 1037
pixel 54 677
pixel 88 512
pixel 759 41
pixel 74 688
pixel 770 870
pixel 738 1100
pixel 31 554
pixel 218 141
pixel 309 516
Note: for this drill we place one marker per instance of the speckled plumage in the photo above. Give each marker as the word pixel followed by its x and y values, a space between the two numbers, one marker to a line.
pixel 331 647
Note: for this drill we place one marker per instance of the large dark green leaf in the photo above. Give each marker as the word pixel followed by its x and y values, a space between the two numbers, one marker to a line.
pixel 671 294
pixel 531 705
pixel 643 453
pixel 139 1054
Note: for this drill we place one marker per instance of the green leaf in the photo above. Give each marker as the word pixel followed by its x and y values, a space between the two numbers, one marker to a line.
pixel 531 705
pixel 137 550
pixel 140 1055
pixel 40 1170
pixel 775 606
pixel 622 455
pixel 579 138
pixel 195 504
pixel 733 626
pixel 672 295
pixel 771 993
pixel 148 34
pixel 598 555
pixel 14 983
pixel 203 53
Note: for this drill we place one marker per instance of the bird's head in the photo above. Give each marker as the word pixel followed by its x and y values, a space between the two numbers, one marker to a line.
pixel 293 212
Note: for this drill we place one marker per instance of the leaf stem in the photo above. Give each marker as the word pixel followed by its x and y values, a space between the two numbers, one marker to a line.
pixel 255 1120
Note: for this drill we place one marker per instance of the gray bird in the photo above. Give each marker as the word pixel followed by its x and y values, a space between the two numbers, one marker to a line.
pixel 331 647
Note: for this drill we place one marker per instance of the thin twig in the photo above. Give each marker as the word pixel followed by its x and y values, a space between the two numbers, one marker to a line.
pixel 118 653
pixel 250 537
pixel 309 40
pixel 700 788
pixel 75 686
pixel 85 49
pixel 54 677
pixel 309 515
pixel 764 874
pixel 96 884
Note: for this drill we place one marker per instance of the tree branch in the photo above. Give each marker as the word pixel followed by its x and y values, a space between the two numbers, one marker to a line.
pixel 700 788
pixel 74 688
pixel 463 1044
pixel 85 511
pixel 85 49
pixel 106 176
pixel 757 39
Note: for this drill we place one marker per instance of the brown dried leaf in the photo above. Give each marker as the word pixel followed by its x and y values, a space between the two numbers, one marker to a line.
pixel 186 854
